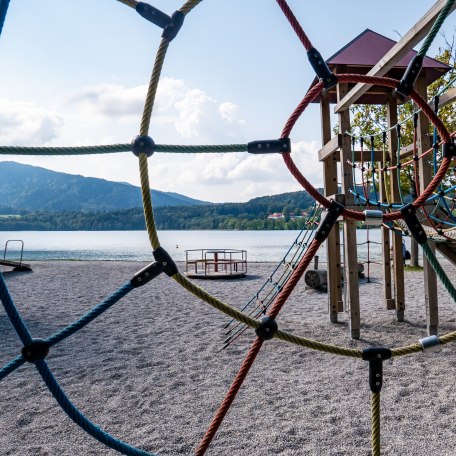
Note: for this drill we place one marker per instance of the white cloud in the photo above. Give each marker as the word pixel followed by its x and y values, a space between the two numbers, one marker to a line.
pixel 238 176
pixel 186 114
pixel 27 124
pixel 111 113
pixel 109 100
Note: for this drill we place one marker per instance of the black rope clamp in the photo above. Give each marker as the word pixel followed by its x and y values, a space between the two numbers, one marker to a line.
pixel 146 274
pixel 413 224
pixel 170 24
pixel 405 87
pixel 321 69
pixel 333 213
pixel 163 263
pixel 376 356
pixel 167 263
pixel 449 150
pixel 36 350
pixel 268 327
pixel 436 103
pixel 142 145
pixel 269 146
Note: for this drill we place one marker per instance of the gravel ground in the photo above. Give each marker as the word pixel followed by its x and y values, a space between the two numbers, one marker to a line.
pixel 150 370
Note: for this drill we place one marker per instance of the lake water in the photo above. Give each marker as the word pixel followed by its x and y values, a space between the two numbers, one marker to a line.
pixel 134 245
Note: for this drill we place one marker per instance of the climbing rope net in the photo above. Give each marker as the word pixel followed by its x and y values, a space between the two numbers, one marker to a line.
pixel 143 147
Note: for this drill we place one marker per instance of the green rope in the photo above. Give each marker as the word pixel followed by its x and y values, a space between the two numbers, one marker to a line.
pixel 435 28
pixel 115 148
pixel 83 150
pixel 201 149
pixel 446 282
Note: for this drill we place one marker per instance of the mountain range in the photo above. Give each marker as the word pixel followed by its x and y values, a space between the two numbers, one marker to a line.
pixel 31 188
pixel 33 198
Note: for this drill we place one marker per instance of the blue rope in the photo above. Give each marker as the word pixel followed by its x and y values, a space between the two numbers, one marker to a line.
pixel 398 206
pixel 373 167
pixel 3 9
pixel 11 367
pixel 81 420
pixel 13 314
pixel 90 315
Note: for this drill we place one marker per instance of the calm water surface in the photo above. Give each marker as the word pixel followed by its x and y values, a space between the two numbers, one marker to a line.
pixel 135 246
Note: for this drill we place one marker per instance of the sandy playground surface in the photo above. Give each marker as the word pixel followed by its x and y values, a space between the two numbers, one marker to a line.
pixel 150 371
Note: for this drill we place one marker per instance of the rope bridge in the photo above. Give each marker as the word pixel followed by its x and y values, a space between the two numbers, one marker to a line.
pixel 35 350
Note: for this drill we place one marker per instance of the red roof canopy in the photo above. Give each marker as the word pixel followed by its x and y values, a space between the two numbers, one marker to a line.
pixel 364 51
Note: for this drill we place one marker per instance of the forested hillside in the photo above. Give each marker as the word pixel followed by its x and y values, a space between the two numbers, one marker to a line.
pixel 229 216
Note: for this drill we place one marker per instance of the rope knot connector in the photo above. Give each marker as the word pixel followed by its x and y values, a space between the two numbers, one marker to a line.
pixel 172 28
pixel 413 224
pixel 321 68
pixel 268 327
pixel 269 146
pixel 410 76
pixel 170 24
pixel 146 274
pixel 376 356
pixel 142 145
pixel 334 211
pixel 36 350
pixel 153 14
pixel 430 344
pixel 373 217
pixel 449 150
pixel 164 259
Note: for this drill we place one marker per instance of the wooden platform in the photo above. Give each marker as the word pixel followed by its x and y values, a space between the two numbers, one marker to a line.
pixel 16 265
pixel 215 275
pixel 215 263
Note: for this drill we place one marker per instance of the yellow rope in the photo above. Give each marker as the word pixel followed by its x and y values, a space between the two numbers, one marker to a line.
pixel 214 302
pixel 131 3
pixel 188 6
pixel 152 89
pixel 447 338
pixel 376 424
pixel 147 202
pixel 316 345
pixel 407 350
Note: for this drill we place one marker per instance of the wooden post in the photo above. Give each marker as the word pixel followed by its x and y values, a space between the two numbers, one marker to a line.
pixel 398 260
pixel 425 176
pixel 386 246
pixel 335 303
pixel 350 247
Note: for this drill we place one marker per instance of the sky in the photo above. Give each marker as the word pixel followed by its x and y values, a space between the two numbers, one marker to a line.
pixel 75 73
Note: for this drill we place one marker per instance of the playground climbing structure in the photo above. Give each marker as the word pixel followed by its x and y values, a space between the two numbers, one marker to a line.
pixel 267 327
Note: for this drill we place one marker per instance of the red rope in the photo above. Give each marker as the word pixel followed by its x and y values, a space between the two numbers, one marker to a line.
pixel 295 24
pixel 229 398
pixel 374 80
pixel 254 349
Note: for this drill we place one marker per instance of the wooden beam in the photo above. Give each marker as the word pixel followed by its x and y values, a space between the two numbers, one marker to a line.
pixel 447 250
pixel 447 98
pixel 350 247
pixel 335 303
pixel 330 147
pixel 407 151
pixel 366 155
pixel 401 48
pixel 425 176
pixel 398 260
